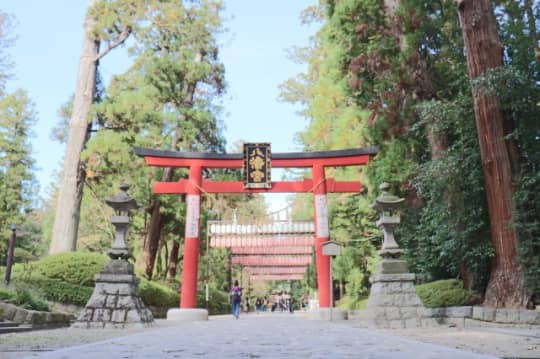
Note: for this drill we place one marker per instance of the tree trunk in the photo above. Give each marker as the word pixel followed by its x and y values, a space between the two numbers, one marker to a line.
pixel 484 51
pixel 173 260
pixel 151 242
pixel 66 221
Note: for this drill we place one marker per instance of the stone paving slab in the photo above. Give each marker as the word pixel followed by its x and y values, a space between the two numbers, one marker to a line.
pixel 258 336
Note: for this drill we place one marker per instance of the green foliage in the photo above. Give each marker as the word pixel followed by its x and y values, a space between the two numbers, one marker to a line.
pixel 69 278
pixel 452 223
pixel 400 82
pixel 65 277
pixel 527 223
pixel 167 99
pixel 71 267
pixel 445 293
pixel 158 295
pixel 7 294
pixel 218 302
pixel 23 295
pixel 17 182
pixel 60 291
pixel 356 284
pixel 26 298
pixel 352 303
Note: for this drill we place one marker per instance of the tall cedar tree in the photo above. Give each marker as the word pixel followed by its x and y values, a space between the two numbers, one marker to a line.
pixel 66 222
pixel 485 51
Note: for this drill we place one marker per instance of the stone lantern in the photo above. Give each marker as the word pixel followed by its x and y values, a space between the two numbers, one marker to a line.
pixel 122 203
pixel 393 302
pixel 387 204
pixel 115 301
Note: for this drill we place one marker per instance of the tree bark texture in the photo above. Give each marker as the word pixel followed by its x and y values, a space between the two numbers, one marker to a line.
pixel 173 260
pixel 484 51
pixel 66 221
pixel 152 239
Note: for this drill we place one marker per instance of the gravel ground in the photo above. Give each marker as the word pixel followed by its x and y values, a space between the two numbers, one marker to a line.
pixel 501 342
pixel 17 345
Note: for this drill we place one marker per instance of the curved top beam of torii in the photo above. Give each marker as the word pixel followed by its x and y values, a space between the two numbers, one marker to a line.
pixel 178 159
pixel 348 157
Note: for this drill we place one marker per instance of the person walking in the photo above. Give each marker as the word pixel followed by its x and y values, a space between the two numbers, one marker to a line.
pixel 236 299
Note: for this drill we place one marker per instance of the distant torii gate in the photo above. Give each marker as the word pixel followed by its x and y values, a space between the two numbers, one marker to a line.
pixel 275 250
pixel 319 185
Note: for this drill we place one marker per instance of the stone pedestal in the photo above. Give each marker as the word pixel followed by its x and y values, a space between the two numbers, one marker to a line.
pixel 187 314
pixel 115 302
pixel 330 314
pixel 393 302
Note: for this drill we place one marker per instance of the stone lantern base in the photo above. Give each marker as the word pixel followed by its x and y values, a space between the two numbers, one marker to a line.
pixel 393 302
pixel 115 302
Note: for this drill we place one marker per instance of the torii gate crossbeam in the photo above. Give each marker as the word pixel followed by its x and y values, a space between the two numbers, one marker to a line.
pixel 194 186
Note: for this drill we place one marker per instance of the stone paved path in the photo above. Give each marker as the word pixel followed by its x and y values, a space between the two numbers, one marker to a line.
pixel 258 336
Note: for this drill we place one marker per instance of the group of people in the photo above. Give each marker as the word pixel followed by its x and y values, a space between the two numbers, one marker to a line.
pixel 278 302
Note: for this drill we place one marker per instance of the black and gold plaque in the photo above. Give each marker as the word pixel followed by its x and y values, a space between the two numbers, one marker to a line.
pixel 257 165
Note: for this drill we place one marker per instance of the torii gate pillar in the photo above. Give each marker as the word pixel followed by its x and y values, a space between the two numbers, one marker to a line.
pixel 320 206
pixel 188 295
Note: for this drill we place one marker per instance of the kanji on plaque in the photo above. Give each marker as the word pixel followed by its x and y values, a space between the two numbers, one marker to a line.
pixel 257 165
pixel 192 215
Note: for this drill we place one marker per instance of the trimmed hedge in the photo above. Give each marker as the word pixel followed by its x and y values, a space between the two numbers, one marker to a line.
pixel 445 293
pixel 69 278
pixel 71 267
pixel 59 291
pixel 158 295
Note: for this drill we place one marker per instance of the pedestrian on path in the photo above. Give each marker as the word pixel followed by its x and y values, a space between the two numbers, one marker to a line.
pixel 236 299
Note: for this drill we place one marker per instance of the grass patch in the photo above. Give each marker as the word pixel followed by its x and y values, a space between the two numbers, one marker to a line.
pixel 24 296
pixel 352 303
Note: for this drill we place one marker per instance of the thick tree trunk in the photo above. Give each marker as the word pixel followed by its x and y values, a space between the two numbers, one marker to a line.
pixel 66 221
pixel 484 51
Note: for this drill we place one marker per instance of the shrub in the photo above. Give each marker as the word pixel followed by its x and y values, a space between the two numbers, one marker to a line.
pixel 158 295
pixel 59 291
pixel 352 303
pixel 7 294
pixel 71 267
pixel 445 293
pixel 25 296
pixel 68 278
pixel 218 301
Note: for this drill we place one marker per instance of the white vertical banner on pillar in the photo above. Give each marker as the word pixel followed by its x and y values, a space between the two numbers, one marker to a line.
pixel 193 209
pixel 321 211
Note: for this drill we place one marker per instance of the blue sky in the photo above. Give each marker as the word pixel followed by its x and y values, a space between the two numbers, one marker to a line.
pixel 46 56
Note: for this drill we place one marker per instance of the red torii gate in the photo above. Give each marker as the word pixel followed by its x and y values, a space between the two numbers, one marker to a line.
pixel 319 185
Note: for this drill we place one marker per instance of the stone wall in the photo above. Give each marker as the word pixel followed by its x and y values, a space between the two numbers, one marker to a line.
pixel 463 316
pixel 460 317
pixel 34 318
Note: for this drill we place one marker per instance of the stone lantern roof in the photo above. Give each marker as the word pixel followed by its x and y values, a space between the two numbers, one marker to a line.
pixel 122 201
